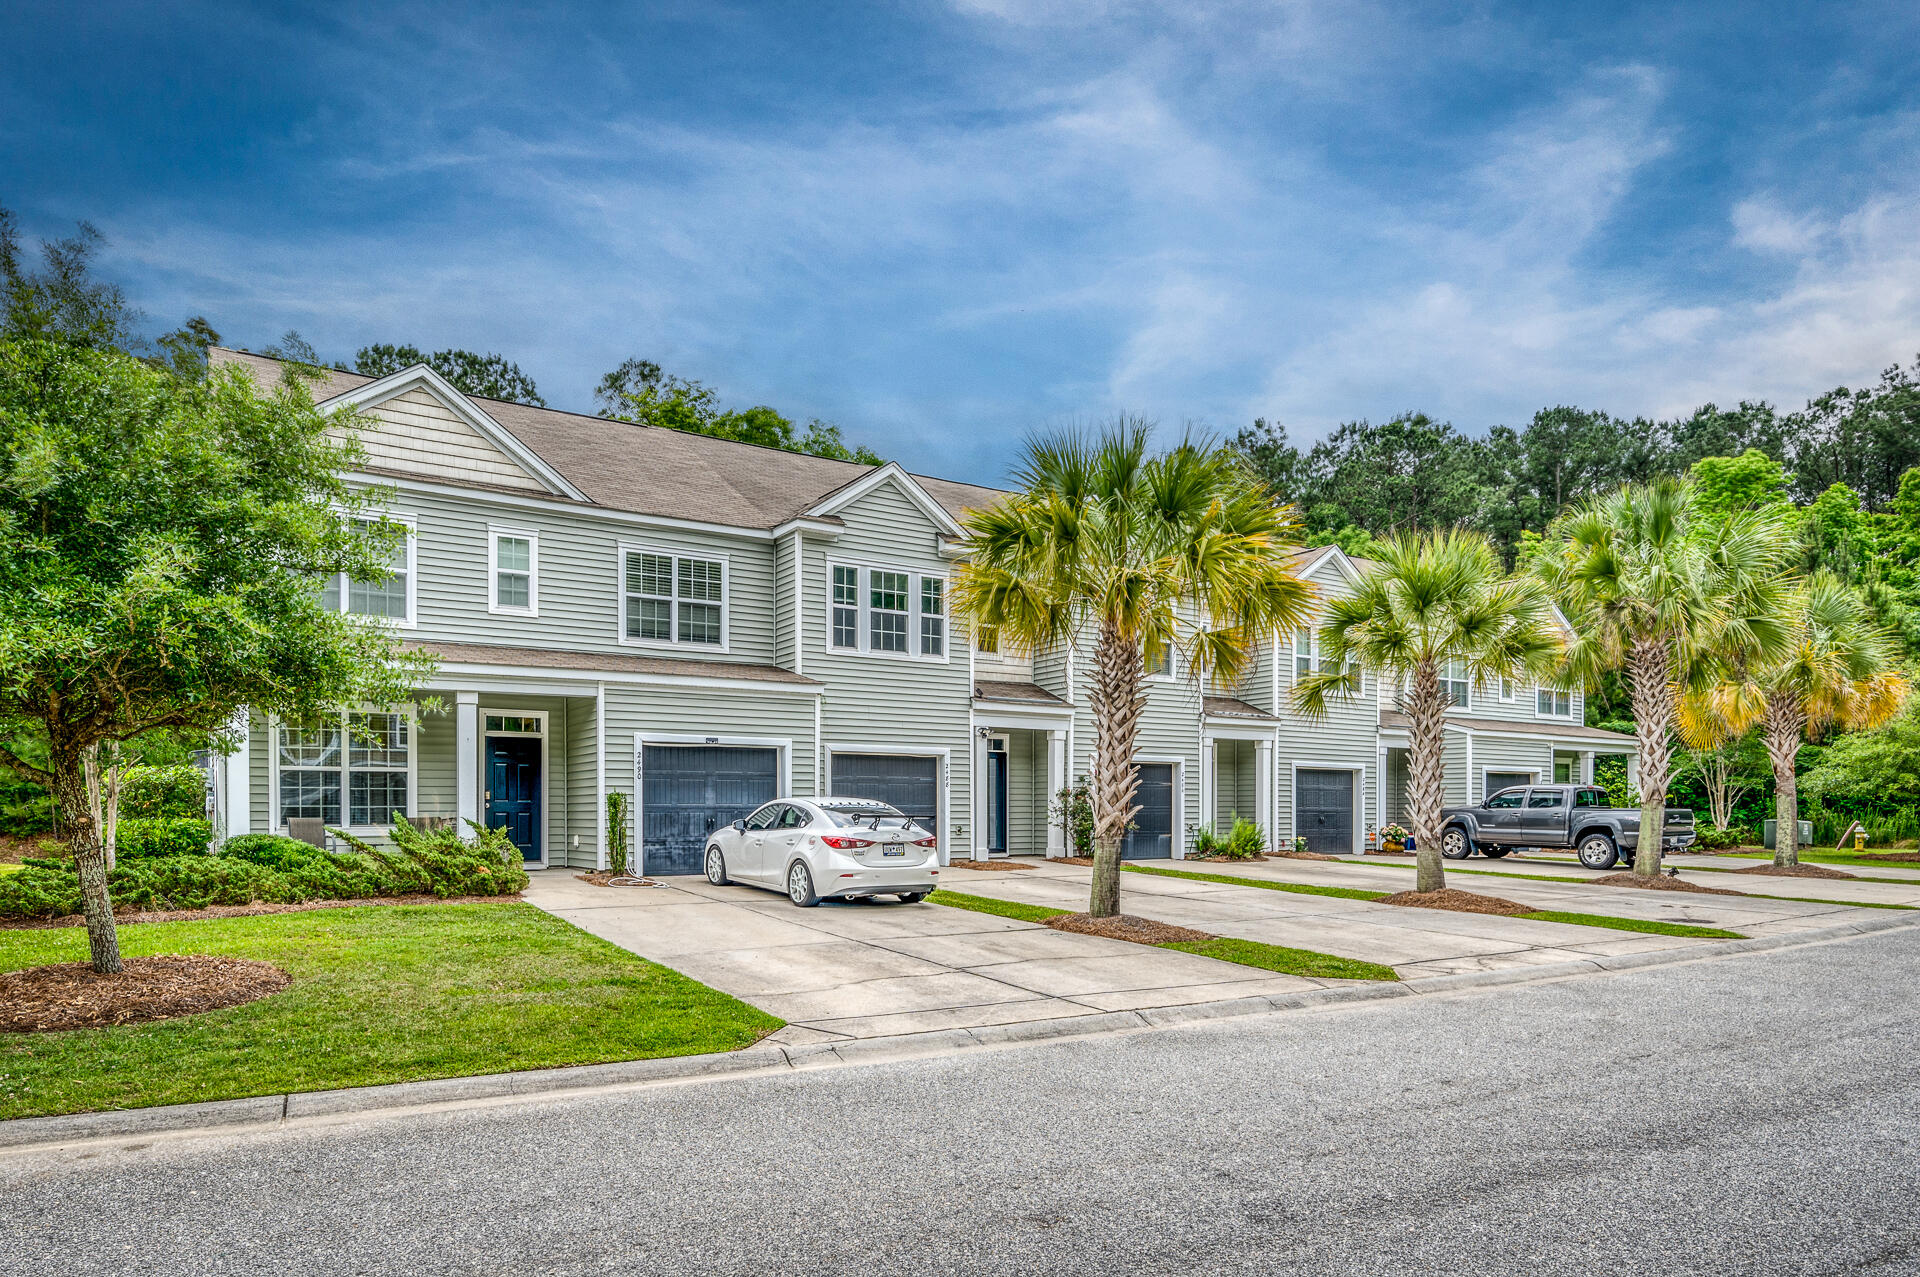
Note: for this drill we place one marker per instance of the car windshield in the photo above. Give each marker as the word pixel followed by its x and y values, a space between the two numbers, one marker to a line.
pixel 865 815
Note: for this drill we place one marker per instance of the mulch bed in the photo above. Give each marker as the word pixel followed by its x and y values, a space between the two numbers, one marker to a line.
pixel 1298 855
pixel 71 995
pixel 988 866
pixel 1662 883
pixel 1085 862
pixel 1456 901
pixel 1795 871
pixel 125 917
pixel 1127 927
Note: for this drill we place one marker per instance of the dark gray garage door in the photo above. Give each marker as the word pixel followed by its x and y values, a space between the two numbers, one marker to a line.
pixel 909 782
pixel 688 791
pixel 1497 781
pixel 1151 837
pixel 1323 810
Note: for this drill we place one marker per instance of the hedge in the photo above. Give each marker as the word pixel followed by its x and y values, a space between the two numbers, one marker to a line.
pixel 143 839
pixel 270 869
pixel 160 793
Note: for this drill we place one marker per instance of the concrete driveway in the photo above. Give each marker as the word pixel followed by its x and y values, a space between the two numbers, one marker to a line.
pixel 872 970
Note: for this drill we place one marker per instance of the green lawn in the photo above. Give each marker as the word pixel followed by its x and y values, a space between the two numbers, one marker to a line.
pixel 1298 888
pixel 1633 924
pixel 1247 953
pixel 380 994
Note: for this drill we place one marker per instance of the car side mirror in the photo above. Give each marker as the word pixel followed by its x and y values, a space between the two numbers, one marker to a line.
pixel 739 826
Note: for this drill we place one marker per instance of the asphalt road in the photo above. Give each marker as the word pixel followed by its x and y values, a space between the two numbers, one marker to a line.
pixel 1749 1115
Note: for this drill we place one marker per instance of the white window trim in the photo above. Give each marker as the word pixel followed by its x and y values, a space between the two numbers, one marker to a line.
pixel 1567 717
pixel 863 610
pixel 494 533
pixel 412 617
pixel 624 548
pixel 1313 660
pixel 411 713
pixel 1509 691
pixel 1173 665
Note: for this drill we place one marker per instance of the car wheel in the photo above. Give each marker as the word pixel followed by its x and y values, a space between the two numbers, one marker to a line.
pixel 800 886
pixel 912 897
pixel 1494 853
pixel 717 868
pixel 1598 852
pixel 1454 843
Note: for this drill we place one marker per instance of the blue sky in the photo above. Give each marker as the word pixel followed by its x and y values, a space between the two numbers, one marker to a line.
pixel 945 225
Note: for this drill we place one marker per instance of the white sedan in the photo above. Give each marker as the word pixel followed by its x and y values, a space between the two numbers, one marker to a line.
pixel 816 849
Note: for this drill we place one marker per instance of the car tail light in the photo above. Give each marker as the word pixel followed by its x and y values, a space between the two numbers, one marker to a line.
pixel 926 842
pixel 841 842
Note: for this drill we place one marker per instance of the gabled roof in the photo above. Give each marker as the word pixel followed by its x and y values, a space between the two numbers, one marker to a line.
pixel 1234 707
pixel 653 471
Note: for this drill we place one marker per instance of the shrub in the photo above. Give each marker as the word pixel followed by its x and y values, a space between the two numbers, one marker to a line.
pixel 1206 843
pixel 617 831
pixel 1244 841
pixel 1714 838
pixel 275 851
pixel 42 889
pixel 195 882
pixel 1072 809
pixel 142 839
pixel 163 793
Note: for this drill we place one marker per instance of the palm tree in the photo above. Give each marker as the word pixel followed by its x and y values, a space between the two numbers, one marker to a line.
pixel 1434 600
pixel 1838 670
pixel 1108 545
pixel 1665 595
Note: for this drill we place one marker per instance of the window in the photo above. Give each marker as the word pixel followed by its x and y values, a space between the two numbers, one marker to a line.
pixel 1509 690
pixel 1553 703
pixel 846 607
pixel 673 598
pixel 359 761
pixel 1543 798
pixel 764 818
pixel 513 563
pixel 987 639
pixel 1305 650
pixel 1453 681
pixel 390 598
pixel 887 611
pixel 1590 798
pixel 1506 798
pixel 513 724
pixel 933 616
pixel 1159 660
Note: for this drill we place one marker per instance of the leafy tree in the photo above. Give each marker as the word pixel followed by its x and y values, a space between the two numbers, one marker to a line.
pixel 640 392
pixel 1715 432
pixel 164 537
pixel 484 376
pixel 1104 543
pixel 1401 475
pixel 1836 670
pixel 1655 590
pixel 1871 769
pixel 1835 532
pixel 1434 599
pixel 1724 768
pixel 1865 438
pixel 1722 485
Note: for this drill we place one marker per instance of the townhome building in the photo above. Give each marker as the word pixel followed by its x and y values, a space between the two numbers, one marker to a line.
pixel 703 625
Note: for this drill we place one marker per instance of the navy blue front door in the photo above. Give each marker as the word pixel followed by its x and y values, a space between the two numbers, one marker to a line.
pixel 513 790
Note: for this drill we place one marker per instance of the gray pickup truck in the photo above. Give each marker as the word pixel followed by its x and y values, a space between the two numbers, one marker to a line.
pixel 1561 817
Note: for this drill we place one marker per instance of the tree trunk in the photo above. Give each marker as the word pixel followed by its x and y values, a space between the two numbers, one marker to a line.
pixel 71 800
pixel 1426 772
pixel 1116 702
pixel 1650 671
pixel 1785 721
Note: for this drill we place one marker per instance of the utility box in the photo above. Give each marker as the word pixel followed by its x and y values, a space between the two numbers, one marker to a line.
pixel 1770 833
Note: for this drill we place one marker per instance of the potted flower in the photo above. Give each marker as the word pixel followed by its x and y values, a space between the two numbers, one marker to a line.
pixel 1393 839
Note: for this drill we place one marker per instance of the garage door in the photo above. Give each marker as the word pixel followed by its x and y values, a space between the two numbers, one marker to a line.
pixel 1151 837
pixel 1323 810
pixel 688 791
pixel 909 782
pixel 1497 781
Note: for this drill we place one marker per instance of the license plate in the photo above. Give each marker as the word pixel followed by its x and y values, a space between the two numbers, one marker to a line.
pixel 893 851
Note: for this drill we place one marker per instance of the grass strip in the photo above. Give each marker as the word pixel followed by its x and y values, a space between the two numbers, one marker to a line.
pixel 1298 888
pixel 1633 924
pixel 999 908
pixel 1278 957
pixel 1805 900
pixel 1247 953
pixel 385 993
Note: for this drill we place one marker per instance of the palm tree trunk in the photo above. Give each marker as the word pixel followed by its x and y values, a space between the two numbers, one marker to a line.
pixel 1426 773
pixel 1784 723
pixel 1116 701
pixel 71 800
pixel 1650 671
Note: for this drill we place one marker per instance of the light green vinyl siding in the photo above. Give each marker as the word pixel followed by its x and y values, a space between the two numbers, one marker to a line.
pixel 580 740
pixel 1344 739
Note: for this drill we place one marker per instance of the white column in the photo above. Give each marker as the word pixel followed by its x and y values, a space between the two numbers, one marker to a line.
pixel 982 797
pixel 1206 785
pixel 1263 787
pixel 1633 771
pixel 1380 788
pixel 1586 767
pixel 1056 781
pixel 466 762
pixel 237 791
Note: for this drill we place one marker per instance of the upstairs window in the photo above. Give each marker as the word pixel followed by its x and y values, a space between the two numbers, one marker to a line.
pixel 1453 680
pixel 1159 660
pixel 1509 691
pixel 513 566
pixel 390 598
pixel 1307 654
pixel 1551 702
pixel 887 611
pixel 674 598
pixel 987 639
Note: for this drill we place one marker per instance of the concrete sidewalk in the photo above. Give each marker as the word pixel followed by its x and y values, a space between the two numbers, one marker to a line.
pixel 843 971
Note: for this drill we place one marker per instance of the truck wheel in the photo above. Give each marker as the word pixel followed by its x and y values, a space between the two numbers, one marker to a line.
pixel 1454 843
pixel 1598 852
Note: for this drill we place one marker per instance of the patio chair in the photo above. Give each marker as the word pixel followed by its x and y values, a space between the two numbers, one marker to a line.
pixel 308 829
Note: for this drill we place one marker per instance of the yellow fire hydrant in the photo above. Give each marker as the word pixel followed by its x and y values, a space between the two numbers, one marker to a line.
pixel 1859 838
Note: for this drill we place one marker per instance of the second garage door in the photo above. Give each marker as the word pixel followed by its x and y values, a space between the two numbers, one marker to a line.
pixel 910 782
pixel 1323 810
pixel 688 791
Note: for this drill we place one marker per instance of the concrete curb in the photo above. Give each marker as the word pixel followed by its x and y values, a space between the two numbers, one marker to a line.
pixel 265 1112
